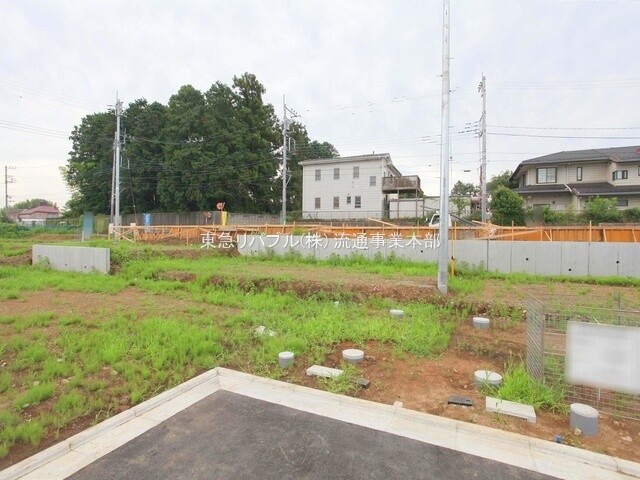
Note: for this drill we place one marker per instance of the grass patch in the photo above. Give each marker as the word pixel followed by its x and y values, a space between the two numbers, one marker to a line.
pixel 33 396
pixel 93 365
pixel 519 386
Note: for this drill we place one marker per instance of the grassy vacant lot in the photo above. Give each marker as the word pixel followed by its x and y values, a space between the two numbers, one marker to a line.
pixel 76 349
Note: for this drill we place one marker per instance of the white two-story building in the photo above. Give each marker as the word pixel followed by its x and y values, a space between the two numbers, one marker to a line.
pixel 358 187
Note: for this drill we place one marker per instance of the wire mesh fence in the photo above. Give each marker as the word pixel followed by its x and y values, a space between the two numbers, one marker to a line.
pixel 547 319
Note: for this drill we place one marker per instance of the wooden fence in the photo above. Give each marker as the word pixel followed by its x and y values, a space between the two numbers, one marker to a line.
pixel 195 234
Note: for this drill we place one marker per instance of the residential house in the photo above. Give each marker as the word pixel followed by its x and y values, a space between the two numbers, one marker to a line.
pixel 356 187
pixel 567 180
pixel 38 215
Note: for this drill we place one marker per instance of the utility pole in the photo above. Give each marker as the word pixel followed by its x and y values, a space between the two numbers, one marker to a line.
pixel 116 220
pixel 285 179
pixel 482 88
pixel 443 251
pixel 285 127
pixel 113 181
pixel 7 180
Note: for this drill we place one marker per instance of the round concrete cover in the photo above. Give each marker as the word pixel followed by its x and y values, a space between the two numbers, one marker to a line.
pixel 487 377
pixel 353 355
pixel 397 313
pixel 285 356
pixel 584 410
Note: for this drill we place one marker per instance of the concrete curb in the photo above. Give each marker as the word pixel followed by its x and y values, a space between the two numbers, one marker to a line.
pixel 538 455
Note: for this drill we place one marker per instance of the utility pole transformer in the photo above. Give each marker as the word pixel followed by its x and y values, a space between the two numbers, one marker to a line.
pixel 482 88
pixel 443 251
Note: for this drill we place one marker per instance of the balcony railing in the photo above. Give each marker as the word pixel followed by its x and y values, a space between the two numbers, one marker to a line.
pixel 409 182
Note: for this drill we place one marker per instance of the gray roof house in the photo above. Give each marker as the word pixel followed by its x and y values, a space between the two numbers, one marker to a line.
pixel 569 179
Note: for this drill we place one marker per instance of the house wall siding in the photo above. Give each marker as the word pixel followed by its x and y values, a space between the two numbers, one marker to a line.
pixel 632 169
pixel 327 188
pixel 591 173
pixel 555 201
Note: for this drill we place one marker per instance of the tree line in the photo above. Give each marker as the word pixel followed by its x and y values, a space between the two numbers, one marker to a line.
pixel 222 145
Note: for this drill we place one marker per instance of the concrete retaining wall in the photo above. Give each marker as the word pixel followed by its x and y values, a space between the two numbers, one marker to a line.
pixel 541 258
pixel 76 259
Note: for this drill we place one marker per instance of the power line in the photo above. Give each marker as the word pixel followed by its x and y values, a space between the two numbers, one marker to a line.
pixel 560 136
pixel 563 128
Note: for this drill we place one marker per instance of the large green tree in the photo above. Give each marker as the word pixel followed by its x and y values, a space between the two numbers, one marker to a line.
pixel 507 207
pixel 142 156
pixel 89 168
pixel 461 195
pixel 223 145
pixel 503 179
pixel 181 177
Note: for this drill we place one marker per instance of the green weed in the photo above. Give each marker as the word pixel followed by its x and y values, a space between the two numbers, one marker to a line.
pixel 5 381
pixel 33 396
pixel 519 386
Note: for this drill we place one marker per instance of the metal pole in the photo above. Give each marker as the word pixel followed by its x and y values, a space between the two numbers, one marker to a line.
pixel 284 163
pixel 116 220
pixel 483 167
pixel 113 182
pixel 443 257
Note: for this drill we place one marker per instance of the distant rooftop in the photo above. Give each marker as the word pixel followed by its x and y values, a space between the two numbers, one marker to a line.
pixel 614 154
pixel 355 158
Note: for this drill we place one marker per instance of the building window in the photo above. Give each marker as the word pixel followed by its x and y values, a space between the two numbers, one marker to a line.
pixel 356 172
pixel 317 205
pixel 348 199
pixel 623 202
pixel 372 181
pixel 336 174
pixel 318 175
pixel 620 175
pixel 336 202
pixel 358 202
pixel 546 175
pixel 578 174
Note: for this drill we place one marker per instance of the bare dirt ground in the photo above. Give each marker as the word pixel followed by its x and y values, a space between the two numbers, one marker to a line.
pixel 421 384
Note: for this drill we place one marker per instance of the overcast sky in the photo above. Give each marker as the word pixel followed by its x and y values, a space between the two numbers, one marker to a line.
pixel 363 74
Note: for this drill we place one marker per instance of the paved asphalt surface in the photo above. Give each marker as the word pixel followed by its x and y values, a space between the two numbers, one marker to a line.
pixel 230 436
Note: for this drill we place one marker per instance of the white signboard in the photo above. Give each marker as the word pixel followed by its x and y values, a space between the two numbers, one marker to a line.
pixel 603 356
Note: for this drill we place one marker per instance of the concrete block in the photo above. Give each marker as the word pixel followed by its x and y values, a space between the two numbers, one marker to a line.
pixel 76 259
pixel 603 259
pixel 629 260
pixel 513 409
pixel 499 256
pixel 472 252
pixel 324 372
pixel 523 256
pixel 548 258
pixel 575 258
